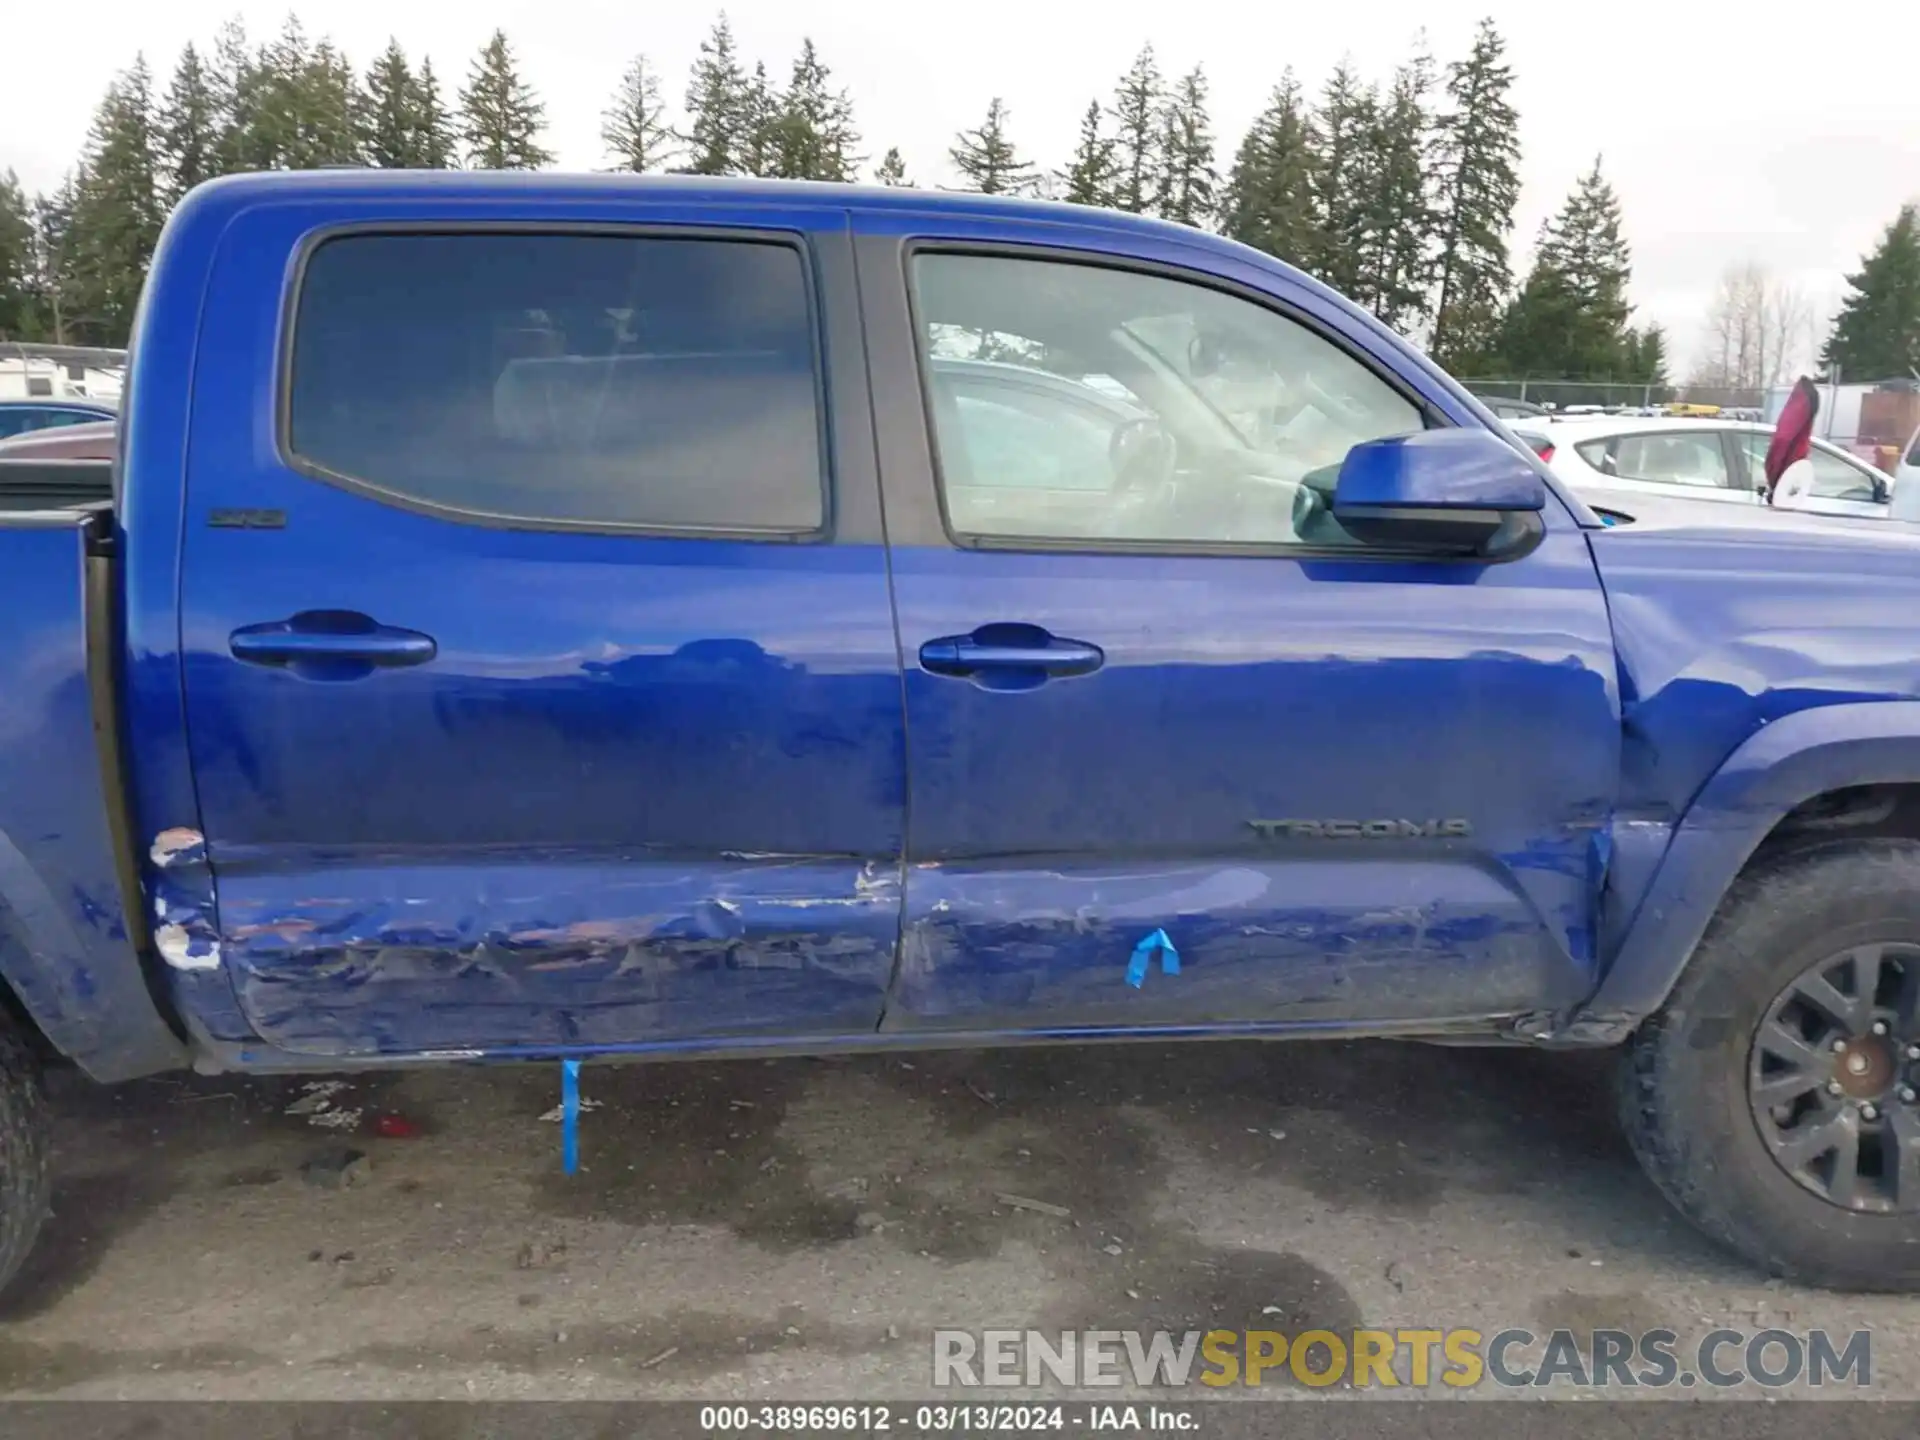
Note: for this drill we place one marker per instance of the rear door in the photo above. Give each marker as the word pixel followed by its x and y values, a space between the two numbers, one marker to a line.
pixel 1348 785
pixel 1841 484
pixel 540 670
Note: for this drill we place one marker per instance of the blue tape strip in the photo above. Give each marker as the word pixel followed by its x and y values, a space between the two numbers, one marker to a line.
pixel 1155 944
pixel 570 1116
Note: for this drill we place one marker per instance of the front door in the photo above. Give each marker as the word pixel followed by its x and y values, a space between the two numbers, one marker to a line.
pixel 541 676
pixel 1152 686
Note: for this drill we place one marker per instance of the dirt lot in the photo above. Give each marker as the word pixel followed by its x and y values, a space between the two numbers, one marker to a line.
pixel 796 1228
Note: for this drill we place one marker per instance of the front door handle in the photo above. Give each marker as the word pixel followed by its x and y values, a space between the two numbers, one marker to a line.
pixel 1009 657
pixel 331 644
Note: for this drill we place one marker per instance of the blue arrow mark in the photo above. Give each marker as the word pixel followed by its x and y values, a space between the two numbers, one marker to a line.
pixel 1155 944
pixel 570 1116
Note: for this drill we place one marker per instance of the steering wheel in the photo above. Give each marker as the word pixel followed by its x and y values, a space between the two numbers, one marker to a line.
pixel 1142 453
pixel 1333 404
pixel 1307 508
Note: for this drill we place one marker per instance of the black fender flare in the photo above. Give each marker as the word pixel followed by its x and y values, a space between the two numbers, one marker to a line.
pixel 1784 764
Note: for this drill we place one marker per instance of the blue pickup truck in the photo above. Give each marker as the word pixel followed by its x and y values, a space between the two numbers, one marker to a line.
pixel 540 618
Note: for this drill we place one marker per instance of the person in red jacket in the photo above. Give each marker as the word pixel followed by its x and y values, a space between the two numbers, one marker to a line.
pixel 1789 472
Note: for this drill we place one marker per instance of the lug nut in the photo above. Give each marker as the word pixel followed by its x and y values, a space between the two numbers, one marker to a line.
pixel 1839 1047
pixel 1909 1094
pixel 1869 1112
pixel 1879 1027
pixel 1913 1052
pixel 1833 1087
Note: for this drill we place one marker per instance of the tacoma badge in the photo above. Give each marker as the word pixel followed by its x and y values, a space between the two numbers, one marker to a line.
pixel 1363 829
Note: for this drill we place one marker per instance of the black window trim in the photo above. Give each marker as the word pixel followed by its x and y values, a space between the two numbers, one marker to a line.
pixel 794 240
pixel 1432 418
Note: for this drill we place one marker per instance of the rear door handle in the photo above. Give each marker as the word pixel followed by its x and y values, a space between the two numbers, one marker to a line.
pixel 331 638
pixel 1009 657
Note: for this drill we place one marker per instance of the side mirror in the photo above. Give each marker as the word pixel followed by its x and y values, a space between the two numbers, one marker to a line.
pixel 1462 491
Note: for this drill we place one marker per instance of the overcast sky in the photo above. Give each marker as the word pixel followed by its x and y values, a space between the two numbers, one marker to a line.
pixel 1730 135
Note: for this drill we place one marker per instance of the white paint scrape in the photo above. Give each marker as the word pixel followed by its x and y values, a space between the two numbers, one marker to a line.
pixel 169 845
pixel 176 947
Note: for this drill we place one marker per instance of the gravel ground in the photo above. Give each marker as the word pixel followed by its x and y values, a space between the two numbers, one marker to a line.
pixel 796 1228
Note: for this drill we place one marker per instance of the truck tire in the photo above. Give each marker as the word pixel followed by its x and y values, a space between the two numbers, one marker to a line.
pixel 25 1176
pixel 1773 1097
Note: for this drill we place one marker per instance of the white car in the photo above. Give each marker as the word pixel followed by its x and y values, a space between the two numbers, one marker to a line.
pixel 1906 482
pixel 1617 457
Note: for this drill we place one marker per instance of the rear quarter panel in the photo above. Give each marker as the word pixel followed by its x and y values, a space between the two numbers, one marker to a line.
pixel 64 948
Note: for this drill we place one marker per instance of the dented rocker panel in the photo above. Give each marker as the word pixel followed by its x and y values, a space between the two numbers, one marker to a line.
pixel 373 955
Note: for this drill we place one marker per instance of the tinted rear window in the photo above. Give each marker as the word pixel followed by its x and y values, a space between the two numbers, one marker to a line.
pixel 590 380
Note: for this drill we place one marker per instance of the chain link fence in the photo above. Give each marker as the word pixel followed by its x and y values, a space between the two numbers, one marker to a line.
pixel 1613 395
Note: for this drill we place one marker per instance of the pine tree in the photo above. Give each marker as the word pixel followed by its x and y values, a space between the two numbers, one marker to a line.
pixel 1569 320
pixel 295 105
pixel 1089 177
pixel 814 138
pixel 986 159
pixel 233 81
pixel 1477 183
pixel 501 117
pixel 256 84
pixel 892 170
pixel 53 255
pixel 1646 357
pixel 1877 334
pixel 1586 245
pixel 19 267
pixel 1188 182
pixel 1345 181
pixel 716 105
pixel 403 124
pixel 435 139
pixel 389 119
pixel 1136 112
pixel 116 212
pixel 329 134
pixel 189 128
pixel 757 141
pixel 634 128
pixel 1399 219
pixel 1270 196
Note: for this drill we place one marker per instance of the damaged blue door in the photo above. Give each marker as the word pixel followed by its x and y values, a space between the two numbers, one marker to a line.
pixel 541 677
pixel 1153 686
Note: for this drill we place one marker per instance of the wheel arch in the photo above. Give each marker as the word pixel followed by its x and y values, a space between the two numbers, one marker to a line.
pixel 101 1016
pixel 1848 758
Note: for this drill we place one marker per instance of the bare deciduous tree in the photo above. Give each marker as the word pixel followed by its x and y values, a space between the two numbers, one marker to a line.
pixel 1758 332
